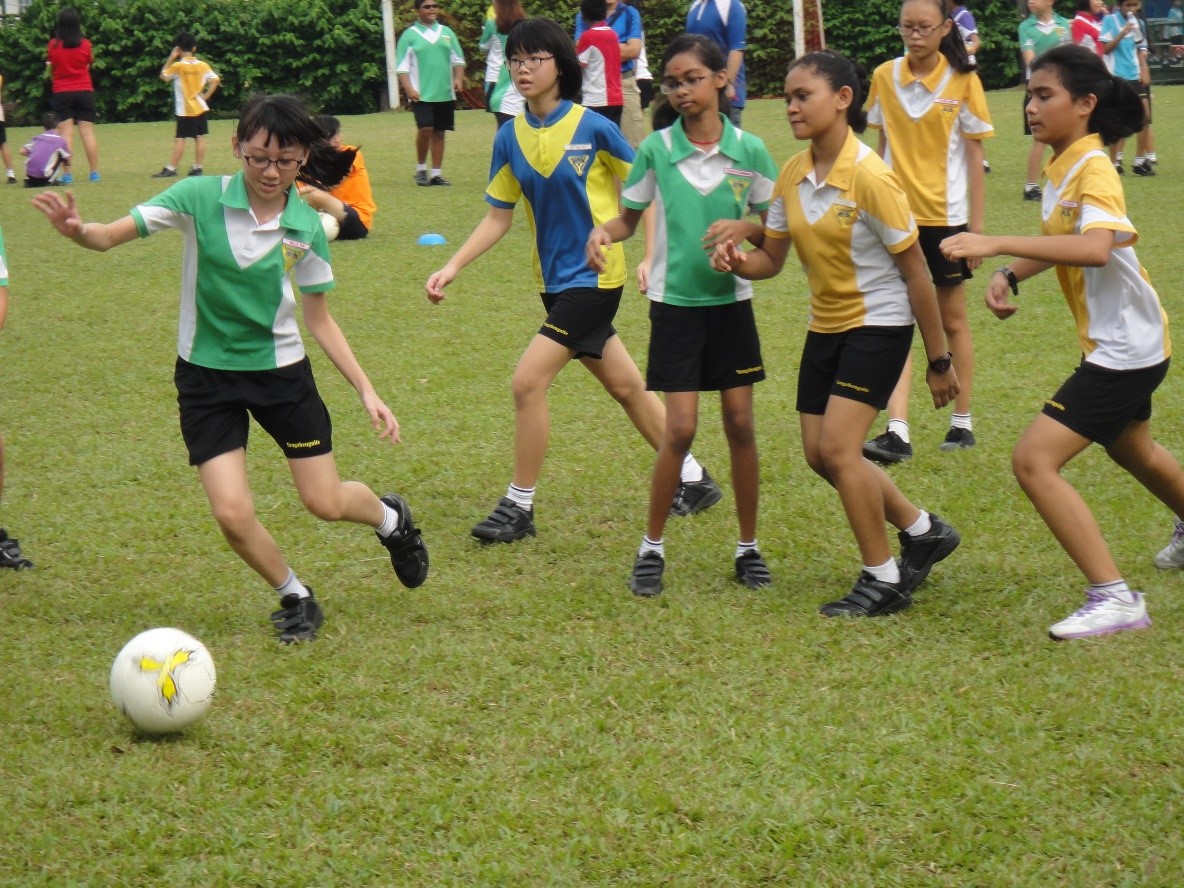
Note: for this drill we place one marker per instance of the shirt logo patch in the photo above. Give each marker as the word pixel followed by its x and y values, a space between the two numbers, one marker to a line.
pixel 294 251
pixel 845 216
pixel 578 163
pixel 739 186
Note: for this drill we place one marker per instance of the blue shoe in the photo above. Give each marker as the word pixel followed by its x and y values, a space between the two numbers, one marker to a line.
pixel 94 176
pixel 66 179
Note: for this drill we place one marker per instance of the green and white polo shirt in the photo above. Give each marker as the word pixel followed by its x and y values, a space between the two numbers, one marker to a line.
pixel 3 263
pixel 691 188
pixel 238 306
pixel 427 56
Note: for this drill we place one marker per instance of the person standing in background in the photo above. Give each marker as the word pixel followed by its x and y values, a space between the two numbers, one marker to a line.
pixel 1039 32
pixel 725 22
pixel 194 81
pixel 626 21
pixel 501 98
pixel 69 57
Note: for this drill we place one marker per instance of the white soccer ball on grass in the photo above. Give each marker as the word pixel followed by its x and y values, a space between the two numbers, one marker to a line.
pixel 163 680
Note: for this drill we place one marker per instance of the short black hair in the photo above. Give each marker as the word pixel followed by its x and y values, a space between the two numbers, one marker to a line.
pixel 543 36
pixel 50 120
pixel 593 10
pixel 185 42
pixel 286 119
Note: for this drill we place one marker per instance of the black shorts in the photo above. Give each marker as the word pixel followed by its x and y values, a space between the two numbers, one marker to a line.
pixel 192 127
pixel 1024 111
pixel 1099 404
pixel 1144 92
pixel 3 133
pixel 353 228
pixel 581 318
pixel 439 116
pixel 703 349
pixel 285 402
pixel 945 272
pixel 77 106
pixel 612 112
pixel 862 365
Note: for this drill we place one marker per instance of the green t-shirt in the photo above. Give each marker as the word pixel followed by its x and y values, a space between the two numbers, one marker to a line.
pixel 691 189
pixel 1039 37
pixel 427 56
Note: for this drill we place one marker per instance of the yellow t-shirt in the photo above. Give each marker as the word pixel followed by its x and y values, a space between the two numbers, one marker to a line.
pixel 926 123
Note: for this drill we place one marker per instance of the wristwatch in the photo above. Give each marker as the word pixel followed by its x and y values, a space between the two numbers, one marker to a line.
pixel 1012 280
pixel 942 365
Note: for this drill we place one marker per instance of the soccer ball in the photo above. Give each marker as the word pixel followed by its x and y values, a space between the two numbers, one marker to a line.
pixel 163 680
pixel 332 226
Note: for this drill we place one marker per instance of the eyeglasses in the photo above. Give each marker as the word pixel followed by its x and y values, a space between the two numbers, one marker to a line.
pixel 530 63
pixel 284 164
pixel 919 30
pixel 429 6
pixel 669 87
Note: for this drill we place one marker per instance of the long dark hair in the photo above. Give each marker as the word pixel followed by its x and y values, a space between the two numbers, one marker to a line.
pixel 1119 112
pixel 839 71
pixel 952 46
pixel 69 28
pixel 541 35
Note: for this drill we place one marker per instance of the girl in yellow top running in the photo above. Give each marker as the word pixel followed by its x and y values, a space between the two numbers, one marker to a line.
pixel 932 116
pixel 1076 108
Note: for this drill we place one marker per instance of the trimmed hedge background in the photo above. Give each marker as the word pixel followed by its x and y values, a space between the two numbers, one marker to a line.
pixel 331 50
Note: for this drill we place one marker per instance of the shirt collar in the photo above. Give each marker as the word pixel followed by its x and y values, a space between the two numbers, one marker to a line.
pixel 842 173
pixel 293 217
pixel 930 80
pixel 1059 168
pixel 682 147
pixel 551 119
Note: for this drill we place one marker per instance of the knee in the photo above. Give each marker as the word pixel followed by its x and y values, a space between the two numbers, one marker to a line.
pixel 323 505
pixel 740 427
pixel 625 387
pixel 526 389
pixel 680 434
pixel 836 460
pixel 1028 467
pixel 814 460
pixel 235 517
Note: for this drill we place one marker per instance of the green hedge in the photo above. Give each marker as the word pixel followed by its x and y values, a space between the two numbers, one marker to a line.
pixel 332 51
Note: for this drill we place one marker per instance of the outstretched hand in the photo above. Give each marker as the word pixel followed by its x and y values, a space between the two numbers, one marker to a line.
pixel 382 420
pixel 437 282
pixel 62 212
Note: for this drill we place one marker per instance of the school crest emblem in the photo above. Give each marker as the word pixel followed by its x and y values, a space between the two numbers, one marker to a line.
pixel 579 162
pixel 294 251
pixel 739 181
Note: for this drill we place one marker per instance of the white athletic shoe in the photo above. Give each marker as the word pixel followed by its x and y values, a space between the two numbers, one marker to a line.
pixel 1171 556
pixel 1101 615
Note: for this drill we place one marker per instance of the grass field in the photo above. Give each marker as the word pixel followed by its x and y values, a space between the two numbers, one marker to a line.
pixel 522 719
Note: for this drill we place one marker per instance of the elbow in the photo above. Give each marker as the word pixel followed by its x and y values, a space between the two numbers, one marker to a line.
pixel 1096 259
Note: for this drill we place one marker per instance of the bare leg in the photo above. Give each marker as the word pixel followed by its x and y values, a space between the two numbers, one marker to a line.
pixel 1151 464
pixel 329 498
pixel 682 416
pixel 90 144
pixel 898 403
pixel 620 377
pixel 423 140
pixel 740 428
pixel 536 370
pixel 178 152
pixel 951 301
pixel 437 149
pixel 199 150
pixel 1042 451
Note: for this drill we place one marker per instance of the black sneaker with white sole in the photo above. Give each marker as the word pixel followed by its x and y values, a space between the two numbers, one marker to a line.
pixel 869 597
pixel 693 497
pixel 646 579
pixel 298 619
pixel 918 554
pixel 409 555
pixel 506 523
pixel 957 439
pixel 888 448
pixel 751 570
pixel 10 553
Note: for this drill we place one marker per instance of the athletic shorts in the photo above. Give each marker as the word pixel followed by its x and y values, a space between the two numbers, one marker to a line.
pixel 439 116
pixel 3 133
pixel 862 365
pixel 1144 92
pixel 192 127
pixel 945 272
pixel 353 228
pixel 706 348
pixel 78 106
pixel 612 112
pixel 581 318
pixel 1098 403
pixel 215 405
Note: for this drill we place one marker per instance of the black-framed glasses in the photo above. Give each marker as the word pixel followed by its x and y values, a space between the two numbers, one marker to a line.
pixel 920 30
pixel 429 6
pixel 530 63
pixel 285 164
pixel 670 87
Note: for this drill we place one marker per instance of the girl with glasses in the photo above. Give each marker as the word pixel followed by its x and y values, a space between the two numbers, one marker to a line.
pixel 248 238
pixel 932 116
pixel 703 338
pixel 564 161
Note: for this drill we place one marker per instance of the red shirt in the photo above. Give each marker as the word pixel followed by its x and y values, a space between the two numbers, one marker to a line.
pixel 1087 31
pixel 70 67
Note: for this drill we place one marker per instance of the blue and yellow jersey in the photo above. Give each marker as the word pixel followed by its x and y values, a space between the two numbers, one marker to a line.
pixel 565 167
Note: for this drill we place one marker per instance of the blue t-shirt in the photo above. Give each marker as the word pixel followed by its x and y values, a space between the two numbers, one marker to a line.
pixel 725 22
pixel 565 167
pixel 1126 54
pixel 626 21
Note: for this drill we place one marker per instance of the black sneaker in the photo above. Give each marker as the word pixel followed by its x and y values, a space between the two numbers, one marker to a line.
pixel 1143 169
pixel 506 523
pixel 693 497
pixel 957 439
pixel 165 173
pixel 196 171
pixel 421 177
pixel 751 570
pixel 439 180
pixel 298 619
pixel 869 598
pixel 1032 193
pixel 1118 168
pixel 12 180
pixel 919 554
pixel 646 580
pixel 986 165
pixel 10 553
pixel 888 448
pixel 409 556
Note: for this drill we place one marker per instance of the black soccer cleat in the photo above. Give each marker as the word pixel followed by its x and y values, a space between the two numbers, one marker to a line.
pixel 869 597
pixel 646 579
pixel 409 555
pixel 693 497
pixel 751 570
pixel 888 448
pixel 506 523
pixel 919 554
pixel 298 619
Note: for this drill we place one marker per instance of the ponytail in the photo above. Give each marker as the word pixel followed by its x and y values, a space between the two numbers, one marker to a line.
pixel 839 71
pixel 1119 111
pixel 952 46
